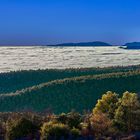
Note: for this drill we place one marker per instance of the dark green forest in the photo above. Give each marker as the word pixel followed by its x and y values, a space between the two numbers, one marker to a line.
pixel 64 90
pixel 13 81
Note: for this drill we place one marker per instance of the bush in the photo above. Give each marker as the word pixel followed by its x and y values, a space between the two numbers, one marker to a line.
pixel 75 132
pixel 73 119
pixel 55 130
pixel 2 130
pixel 20 128
pixel 62 118
pixel 101 124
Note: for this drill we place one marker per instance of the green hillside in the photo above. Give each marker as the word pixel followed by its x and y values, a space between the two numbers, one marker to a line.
pixel 13 81
pixel 79 93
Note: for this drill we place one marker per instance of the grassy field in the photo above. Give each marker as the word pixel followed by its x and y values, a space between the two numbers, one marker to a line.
pixel 64 90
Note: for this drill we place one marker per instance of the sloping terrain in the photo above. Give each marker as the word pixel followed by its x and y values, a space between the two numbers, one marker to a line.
pixel 79 93
pixel 13 81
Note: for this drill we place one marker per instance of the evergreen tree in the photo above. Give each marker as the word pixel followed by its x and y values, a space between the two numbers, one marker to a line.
pixel 126 115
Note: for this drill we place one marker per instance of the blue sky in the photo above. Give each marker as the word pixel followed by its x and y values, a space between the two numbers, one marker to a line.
pixel 40 22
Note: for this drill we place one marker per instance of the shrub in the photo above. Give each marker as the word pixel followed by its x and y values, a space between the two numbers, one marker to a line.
pixel 75 132
pixel 2 130
pixel 101 124
pixel 20 128
pixel 62 118
pixel 73 119
pixel 55 130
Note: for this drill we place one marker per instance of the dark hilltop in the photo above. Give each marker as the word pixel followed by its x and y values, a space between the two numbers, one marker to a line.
pixel 95 43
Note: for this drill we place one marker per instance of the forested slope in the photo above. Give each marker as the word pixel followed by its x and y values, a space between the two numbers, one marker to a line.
pixel 13 81
pixel 79 93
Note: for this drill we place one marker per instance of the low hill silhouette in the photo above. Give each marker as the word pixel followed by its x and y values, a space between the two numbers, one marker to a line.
pixel 133 45
pixel 95 43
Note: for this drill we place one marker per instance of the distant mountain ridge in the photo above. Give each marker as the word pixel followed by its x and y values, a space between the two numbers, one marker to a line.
pixel 133 45
pixel 95 43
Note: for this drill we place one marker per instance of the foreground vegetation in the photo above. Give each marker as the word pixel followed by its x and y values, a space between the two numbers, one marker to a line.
pixel 113 117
